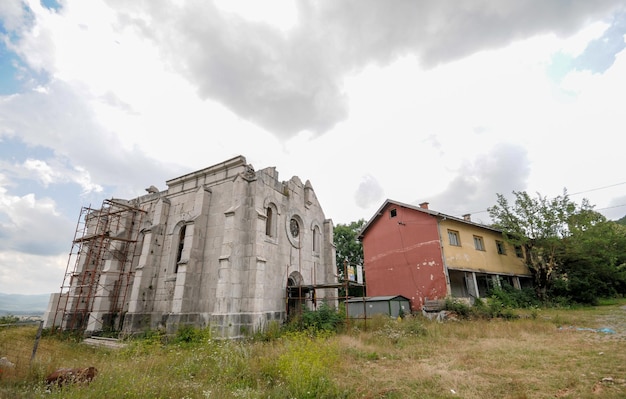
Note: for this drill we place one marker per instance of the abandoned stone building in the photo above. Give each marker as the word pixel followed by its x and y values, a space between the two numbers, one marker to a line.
pixel 227 247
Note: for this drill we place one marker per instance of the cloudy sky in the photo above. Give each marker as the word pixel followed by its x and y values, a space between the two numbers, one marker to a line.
pixel 441 101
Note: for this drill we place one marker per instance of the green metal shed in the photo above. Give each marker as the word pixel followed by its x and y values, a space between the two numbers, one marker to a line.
pixel 392 305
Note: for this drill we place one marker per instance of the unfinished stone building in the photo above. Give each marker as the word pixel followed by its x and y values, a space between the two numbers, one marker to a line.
pixel 227 247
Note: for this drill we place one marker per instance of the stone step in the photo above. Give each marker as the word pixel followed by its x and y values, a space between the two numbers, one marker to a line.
pixel 104 342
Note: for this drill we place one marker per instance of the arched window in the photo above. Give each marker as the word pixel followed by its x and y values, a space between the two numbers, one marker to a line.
pixel 181 246
pixel 269 222
pixel 316 239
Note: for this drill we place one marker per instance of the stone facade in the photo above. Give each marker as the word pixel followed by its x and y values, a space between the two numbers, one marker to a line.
pixel 223 247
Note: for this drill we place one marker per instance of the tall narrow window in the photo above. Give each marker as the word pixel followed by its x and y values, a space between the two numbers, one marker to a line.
pixel 269 221
pixel 316 239
pixel 501 247
pixel 478 243
pixel 181 246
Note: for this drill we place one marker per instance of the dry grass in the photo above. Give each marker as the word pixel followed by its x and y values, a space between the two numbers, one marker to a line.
pixel 552 354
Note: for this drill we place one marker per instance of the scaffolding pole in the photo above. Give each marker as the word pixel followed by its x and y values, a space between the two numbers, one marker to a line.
pixel 100 267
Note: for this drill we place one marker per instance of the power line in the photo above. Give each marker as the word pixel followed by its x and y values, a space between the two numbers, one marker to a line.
pixel 577 193
pixel 610 207
pixel 599 188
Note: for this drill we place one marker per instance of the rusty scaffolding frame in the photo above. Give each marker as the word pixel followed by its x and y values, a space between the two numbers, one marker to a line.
pixel 100 267
pixel 298 293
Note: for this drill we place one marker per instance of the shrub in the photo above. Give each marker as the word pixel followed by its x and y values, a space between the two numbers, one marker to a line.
pixel 273 330
pixel 513 298
pixel 462 309
pixel 187 334
pixel 325 318
pixel 482 309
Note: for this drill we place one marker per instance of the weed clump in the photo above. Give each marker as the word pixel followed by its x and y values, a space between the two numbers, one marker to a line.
pixel 187 334
pixel 325 318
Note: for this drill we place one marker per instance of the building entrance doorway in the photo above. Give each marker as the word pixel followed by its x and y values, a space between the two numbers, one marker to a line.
pixel 297 295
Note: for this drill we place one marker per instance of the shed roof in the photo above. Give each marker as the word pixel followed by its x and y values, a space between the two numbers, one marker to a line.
pixel 382 298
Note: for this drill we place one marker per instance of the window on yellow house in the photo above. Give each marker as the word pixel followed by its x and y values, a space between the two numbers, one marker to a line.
pixel 453 237
pixel 501 247
pixel 478 243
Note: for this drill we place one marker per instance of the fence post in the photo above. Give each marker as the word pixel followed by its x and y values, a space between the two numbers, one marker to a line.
pixel 37 338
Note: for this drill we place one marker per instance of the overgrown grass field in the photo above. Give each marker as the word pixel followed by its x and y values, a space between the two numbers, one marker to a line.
pixel 545 353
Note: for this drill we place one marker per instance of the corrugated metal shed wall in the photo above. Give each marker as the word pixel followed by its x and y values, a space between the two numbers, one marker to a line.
pixel 367 307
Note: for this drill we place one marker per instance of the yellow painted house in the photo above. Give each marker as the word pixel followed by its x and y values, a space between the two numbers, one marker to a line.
pixel 477 257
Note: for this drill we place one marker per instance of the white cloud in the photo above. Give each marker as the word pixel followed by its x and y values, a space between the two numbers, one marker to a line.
pixel 12 14
pixel 370 193
pixel 32 225
pixel 60 173
pixel 283 13
pixel 42 170
pixel 23 273
pixel 576 44
pixel 83 178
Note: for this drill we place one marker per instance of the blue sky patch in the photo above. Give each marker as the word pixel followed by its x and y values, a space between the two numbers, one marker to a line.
pixel 15 76
pixel 51 4
pixel 8 71
pixel 600 53
pixel 15 150
pixel 598 56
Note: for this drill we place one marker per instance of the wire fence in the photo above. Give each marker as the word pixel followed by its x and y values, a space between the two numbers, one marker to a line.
pixel 16 357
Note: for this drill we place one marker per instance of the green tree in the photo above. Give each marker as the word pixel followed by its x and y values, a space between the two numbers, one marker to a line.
pixel 594 262
pixel 349 250
pixel 540 225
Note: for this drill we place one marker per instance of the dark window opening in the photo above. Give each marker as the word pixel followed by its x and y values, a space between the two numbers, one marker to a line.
pixel 485 284
pixel 269 222
pixel 181 246
pixel 501 247
pixel 393 213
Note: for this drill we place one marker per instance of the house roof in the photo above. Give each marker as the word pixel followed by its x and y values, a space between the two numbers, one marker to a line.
pixel 382 298
pixel 430 212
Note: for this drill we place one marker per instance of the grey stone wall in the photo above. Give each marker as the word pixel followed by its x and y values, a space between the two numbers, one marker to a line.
pixel 209 252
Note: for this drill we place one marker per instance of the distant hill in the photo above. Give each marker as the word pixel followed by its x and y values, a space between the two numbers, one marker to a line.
pixel 622 220
pixel 18 305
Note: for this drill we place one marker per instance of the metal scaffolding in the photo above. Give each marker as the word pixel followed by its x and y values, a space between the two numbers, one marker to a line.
pixel 100 268
pixel 298 296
